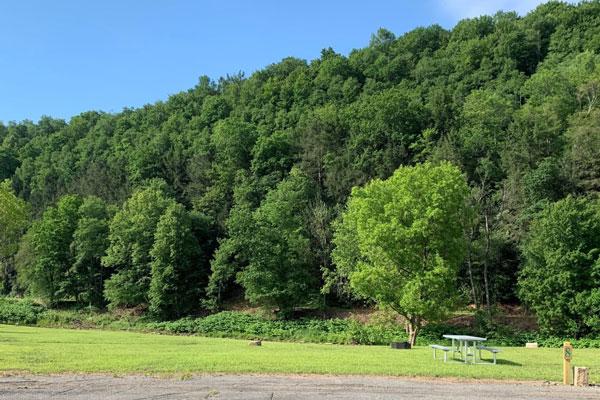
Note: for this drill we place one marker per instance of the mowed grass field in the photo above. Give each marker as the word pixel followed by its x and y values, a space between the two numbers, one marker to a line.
pixel 49 351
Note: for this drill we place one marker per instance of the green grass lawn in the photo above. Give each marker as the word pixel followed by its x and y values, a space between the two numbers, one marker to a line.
pixel 43 350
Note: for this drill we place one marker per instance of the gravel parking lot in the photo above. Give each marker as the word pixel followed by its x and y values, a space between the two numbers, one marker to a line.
pixel 249 387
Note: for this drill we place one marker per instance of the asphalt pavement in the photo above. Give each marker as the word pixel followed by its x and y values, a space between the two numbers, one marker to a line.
pixel 249 387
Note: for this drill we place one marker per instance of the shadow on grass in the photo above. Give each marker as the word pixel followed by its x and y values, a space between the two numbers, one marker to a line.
pixel 485 361
pixel 503 362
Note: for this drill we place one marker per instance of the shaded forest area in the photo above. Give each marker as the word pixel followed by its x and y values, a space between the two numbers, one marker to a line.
pixel 233 186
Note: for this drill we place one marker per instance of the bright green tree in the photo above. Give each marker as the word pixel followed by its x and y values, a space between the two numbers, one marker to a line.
pixel 51 239
pixel 560 278
pixel 281 271
pixel 131 239
pixel 177 265
pixel 13 218
pixel 401 241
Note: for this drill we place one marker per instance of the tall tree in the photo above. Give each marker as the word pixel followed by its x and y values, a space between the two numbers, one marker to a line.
pixel 13 218
pixel 90 241
pixel 131 239
pixel 51 239
pixel 401 241
pixel 582 153
pixel 560 278
pixel 281 270
pixel 177 266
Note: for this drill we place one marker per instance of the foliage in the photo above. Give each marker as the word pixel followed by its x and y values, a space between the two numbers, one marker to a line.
pixel 560 279
pixel 511 101
pixel 51 240
pixel 20 311
pixel 13 217
pixel 131 240
pixel 234 324
pixel 176 267
pixel 90 241
pixel 583 138
pixel 280 268
pixel 400 241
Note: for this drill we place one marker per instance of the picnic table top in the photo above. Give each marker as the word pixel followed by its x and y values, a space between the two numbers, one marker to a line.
pixel 466 338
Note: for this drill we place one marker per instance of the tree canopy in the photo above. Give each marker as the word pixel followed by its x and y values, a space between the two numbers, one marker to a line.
pixel 401 241
pixel 261 166
pixel 561 273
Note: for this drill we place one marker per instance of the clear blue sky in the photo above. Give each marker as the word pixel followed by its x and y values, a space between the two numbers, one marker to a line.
pixel 61 58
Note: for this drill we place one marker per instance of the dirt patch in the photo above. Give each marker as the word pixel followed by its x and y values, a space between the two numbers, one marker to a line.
pixel 511 316
pixel 520 323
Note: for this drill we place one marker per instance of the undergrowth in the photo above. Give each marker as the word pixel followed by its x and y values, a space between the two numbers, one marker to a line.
pixel 234 324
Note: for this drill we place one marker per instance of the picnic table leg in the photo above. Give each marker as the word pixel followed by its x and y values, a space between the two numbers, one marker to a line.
pixel 434 353
pixel 467 352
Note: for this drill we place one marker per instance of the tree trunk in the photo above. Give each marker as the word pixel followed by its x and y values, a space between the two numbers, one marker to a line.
pixel 485 265
pixel 413 331
pixel 470 269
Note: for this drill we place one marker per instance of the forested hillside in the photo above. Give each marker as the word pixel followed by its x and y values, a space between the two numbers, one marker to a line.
pixel 234 186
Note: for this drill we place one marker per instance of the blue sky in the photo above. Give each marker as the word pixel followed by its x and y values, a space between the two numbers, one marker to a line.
pixel 61 58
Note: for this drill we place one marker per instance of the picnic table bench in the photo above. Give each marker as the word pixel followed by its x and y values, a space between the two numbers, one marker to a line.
pixel 438 347
pixel 463 348
pixel 493 350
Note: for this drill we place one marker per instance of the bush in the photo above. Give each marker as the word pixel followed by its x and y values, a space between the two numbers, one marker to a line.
pixel 23 312
pixel 245 326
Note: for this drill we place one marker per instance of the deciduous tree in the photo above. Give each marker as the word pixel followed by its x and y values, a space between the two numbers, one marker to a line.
pixel 13 218
pixel 560 278
pixel 401 241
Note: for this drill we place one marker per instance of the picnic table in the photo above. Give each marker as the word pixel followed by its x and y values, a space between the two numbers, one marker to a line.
pixel 463 348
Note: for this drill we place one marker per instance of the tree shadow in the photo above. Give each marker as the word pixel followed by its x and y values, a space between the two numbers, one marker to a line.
pixel 485 361
pixel 502 362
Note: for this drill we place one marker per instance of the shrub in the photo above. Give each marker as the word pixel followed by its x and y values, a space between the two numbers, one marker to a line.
pixel 24 312
pixel 245 326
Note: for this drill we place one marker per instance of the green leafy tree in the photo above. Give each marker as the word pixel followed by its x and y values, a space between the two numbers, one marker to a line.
pixel 177 265
pixel 13 219
pixel 232 142
pixel 382 128
pixel 229 257
pixel 131 239
pixel 582 153
pixel 382 36
pixel 401 241
pixel 485 116
pixel 512 101
pixel 25 265
pixel 90 241
pixel 51 239
pixel 560 278
pixel 8 163
pixel 281 270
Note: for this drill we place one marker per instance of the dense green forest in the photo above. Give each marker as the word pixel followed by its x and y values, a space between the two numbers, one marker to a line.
pixel 238 186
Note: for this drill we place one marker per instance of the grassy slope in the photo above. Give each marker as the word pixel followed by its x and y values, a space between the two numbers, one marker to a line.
pixel 43 350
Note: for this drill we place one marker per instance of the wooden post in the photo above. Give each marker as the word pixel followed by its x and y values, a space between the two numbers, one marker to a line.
pixel 567 356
